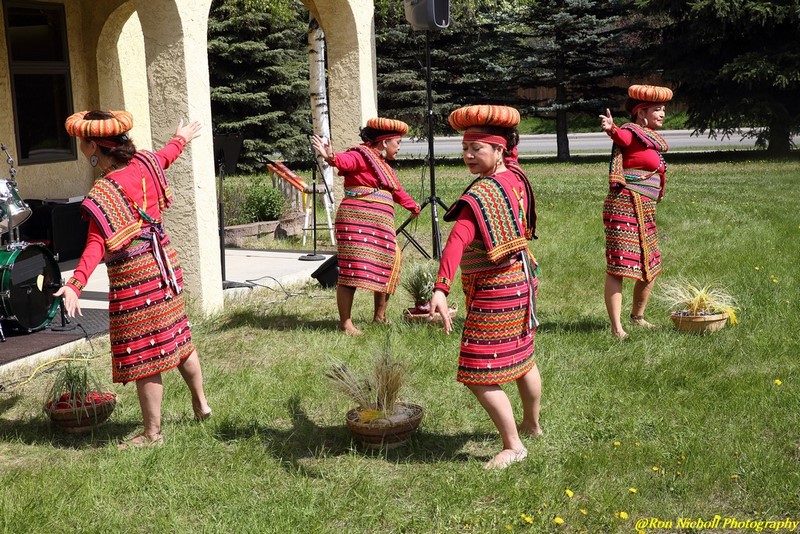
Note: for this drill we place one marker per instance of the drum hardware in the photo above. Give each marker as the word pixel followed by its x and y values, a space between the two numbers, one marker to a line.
pixel 28 274
pixel 13 210
pixel 66 325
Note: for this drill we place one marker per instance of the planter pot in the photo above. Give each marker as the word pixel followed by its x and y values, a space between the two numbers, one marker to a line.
pixel 386 432
pixel 76 420
pixel 699 324
pixel 419 314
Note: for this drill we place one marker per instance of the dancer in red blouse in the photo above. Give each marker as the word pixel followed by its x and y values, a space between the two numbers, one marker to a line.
pixel 367 252
pixel 494 219
pixel 637 177
pixel 148 327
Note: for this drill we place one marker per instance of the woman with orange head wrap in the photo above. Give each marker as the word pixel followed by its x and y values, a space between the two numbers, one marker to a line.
pixel 148 326
pixel 637 176
pixel 367 252
pixel 494 218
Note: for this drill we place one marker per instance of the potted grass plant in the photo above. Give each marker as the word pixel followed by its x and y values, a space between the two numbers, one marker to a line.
pixel 418 283
pixel 77 401
pixel 699 308
pixel 379 420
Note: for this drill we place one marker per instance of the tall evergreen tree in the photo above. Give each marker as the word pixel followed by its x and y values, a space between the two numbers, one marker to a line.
pixel 735 64
pixel 258 66
pixel 465 63
pixel 577 48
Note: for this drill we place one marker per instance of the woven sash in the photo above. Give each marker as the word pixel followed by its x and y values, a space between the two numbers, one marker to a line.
pixel 647 183
pixel 385 174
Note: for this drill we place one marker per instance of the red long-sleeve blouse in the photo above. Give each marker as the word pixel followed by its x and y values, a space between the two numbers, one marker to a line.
pixel 130 178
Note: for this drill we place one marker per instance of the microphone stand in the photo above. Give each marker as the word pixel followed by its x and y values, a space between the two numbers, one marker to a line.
pixel 226 284
pixel 313 256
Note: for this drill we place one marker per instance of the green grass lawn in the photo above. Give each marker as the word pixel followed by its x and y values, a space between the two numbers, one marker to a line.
pixel 659 427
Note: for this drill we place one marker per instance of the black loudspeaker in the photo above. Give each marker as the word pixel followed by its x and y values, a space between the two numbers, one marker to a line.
pixel 57 226
pixel 328 273
pixel 428 14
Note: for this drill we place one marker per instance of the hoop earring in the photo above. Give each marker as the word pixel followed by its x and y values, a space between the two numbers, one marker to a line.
pixel 645 122
pixel 93 161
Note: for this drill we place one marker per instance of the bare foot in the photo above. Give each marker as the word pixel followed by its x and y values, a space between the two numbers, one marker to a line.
pixel 381 320
pixel 351 331
pixel 620 334
pixel 505 458
pixel 202 415
pixel 640 321
pixel 142 440
pixel 532 431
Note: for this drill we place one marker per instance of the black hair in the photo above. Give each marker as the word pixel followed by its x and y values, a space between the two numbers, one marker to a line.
pixel 370 135
pixel 124 148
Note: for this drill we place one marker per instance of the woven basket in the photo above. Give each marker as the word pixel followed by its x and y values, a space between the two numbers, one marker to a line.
pixel 82 419
pixel 385 433
pixel 699 324
pixel 412 316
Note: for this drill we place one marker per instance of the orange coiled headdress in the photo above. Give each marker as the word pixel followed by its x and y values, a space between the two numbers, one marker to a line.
pixel 484 115
pixel 77 126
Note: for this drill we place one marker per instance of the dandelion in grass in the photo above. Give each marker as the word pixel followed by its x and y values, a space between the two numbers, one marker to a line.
pixel 528 519
pixel 734 476
pixel 558 521
pixel 509 528
pixel 757 268
pixel 622 515
pixel 584 511
pixel 655 469
pixel 617 443
pixel 569 493
pixel 778 382
pixel 633 490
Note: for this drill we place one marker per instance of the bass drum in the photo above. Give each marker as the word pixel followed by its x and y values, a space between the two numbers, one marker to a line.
pixel 28 278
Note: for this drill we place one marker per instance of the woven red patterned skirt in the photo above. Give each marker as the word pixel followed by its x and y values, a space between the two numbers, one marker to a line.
pixel 497 343
pixel 631 236
pixel 149 332
pixel 366 245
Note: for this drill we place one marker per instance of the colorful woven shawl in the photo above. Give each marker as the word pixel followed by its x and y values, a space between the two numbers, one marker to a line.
pixel 118 217
pixel 151 163
pixel 109 207
pixel 385 174
pixel 647 183
pixel 501 232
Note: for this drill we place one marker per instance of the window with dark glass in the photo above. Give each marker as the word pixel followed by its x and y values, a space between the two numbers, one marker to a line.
pixel 40 80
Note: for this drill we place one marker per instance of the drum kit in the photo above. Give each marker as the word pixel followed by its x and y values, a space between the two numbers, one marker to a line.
pixel 29 273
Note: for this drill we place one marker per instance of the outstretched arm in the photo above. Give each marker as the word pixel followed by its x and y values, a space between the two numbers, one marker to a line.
pixel 188 131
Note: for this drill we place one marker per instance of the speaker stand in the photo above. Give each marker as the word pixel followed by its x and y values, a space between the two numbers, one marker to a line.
pixel 433 201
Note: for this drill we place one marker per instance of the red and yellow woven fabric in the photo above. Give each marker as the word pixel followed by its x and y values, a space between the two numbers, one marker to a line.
pixel 148 326
pixel 77 126
pixel 388 125
pixel 484 115
pixel 367 252
pixel 108 206
pixel 497 344
pixel 650 93
pixel 631 234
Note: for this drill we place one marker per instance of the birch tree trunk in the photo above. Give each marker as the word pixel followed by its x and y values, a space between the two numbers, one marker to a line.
pixel 320 115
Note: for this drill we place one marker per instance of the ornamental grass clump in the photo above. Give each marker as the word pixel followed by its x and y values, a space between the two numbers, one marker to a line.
pixel 418 283
pixel 694 299
pixel 376 395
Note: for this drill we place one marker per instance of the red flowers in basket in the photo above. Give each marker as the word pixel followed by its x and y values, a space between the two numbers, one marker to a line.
pixel 65 401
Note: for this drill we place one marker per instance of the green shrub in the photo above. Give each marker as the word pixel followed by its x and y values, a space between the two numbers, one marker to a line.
pixel 263 202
